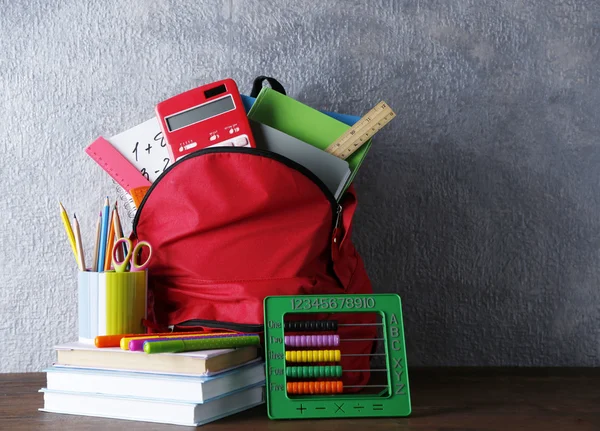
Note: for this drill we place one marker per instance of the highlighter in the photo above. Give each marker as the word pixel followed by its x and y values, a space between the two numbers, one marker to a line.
pixel 176 346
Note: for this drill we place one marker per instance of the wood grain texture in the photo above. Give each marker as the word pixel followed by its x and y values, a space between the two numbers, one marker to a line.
pixel 444 399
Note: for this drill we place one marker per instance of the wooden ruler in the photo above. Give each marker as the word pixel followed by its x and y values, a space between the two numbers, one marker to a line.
pixel 362 131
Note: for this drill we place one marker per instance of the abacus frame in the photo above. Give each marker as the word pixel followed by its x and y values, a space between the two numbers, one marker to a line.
pixel 280 406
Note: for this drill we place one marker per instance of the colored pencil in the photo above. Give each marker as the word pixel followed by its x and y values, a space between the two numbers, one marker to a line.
pixel 138 345
pixel 115 340
pixel 103 235
pixel 67 224
pixel 190 345
pixel 110 242
pixel 126 341
pixel 97 245
pixel 121 252
pixel 79 246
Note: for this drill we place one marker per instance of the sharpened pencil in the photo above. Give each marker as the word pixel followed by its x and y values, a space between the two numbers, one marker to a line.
pixel 103 235
pixel 78 244
pixel 118 233
pixel 110 242
pixel 97 245
pixel 67 224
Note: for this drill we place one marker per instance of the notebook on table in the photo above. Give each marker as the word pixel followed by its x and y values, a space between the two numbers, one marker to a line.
pixel 202 362
pixel 147 384
pixel 149 410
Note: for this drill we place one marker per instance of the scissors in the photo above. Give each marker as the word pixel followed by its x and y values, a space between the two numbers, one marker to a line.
pixel 132 255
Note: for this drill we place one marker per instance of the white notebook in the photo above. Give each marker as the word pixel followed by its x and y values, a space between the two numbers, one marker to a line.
pixel 146 410
pixel 175 387
pixel 333 171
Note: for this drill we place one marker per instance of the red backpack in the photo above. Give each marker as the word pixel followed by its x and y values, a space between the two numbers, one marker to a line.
pixel 230 226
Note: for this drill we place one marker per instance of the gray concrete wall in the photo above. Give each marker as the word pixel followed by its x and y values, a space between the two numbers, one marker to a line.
pixel 479 204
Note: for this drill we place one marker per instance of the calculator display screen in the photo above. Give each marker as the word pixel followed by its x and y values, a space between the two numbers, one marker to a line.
pixel 199 113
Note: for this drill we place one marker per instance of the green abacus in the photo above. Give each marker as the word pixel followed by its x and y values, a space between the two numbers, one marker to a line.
pixel 393 401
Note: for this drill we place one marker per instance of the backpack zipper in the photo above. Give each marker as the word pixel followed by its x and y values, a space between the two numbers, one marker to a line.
pixel 336 208
pixel 240 327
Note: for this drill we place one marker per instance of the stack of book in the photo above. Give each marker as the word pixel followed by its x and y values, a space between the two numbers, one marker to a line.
pixel 190 388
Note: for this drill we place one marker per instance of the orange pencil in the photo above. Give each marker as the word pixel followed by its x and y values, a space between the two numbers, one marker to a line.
pixel 110 242
pixel 118 233
pixel 115 340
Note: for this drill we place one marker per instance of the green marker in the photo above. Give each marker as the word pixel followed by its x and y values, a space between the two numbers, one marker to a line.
pixel 190 345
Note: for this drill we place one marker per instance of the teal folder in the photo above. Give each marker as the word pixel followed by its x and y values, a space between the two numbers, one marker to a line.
pixel 296 119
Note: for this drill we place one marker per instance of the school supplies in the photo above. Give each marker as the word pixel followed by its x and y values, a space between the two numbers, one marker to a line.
pixel 97 243
pixel 78 245
pixel 103 235
pixel 121 251
pixel 115 164
pixel 190 345
pixel 208 115
pixel 137 194
pixel 303 122
pixel 295 381
pixel 110 240
pixel 151 410
pixel 138 345
pixel 132 256
pixel 152 385
pixel 251 222
pixel 197 363
pixel 144 147
pixel 137 342
pixel 68 229
pixel 362 131
pixel 333 171
pixel 103 341
pixel 111 302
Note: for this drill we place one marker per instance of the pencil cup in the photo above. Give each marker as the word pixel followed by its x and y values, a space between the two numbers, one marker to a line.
pixel 111 303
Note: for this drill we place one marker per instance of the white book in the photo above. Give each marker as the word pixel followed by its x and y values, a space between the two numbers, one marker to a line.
pixel 145 410
pixel 202 362
pixel 175 387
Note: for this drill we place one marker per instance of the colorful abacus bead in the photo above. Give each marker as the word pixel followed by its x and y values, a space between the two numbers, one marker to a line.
pixel 298 388
pixel 313 356
pixel 312 340
pixel 311 325
pixel 314 372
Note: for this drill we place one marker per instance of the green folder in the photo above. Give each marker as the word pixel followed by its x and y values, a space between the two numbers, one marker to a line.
pixel 296 119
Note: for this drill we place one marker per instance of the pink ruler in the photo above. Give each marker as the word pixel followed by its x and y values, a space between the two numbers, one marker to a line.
pixel 116 165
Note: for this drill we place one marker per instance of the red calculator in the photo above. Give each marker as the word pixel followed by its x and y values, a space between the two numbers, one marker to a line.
pixel 207 116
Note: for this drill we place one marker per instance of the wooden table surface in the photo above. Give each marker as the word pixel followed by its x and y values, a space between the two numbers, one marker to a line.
pixel 443 400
